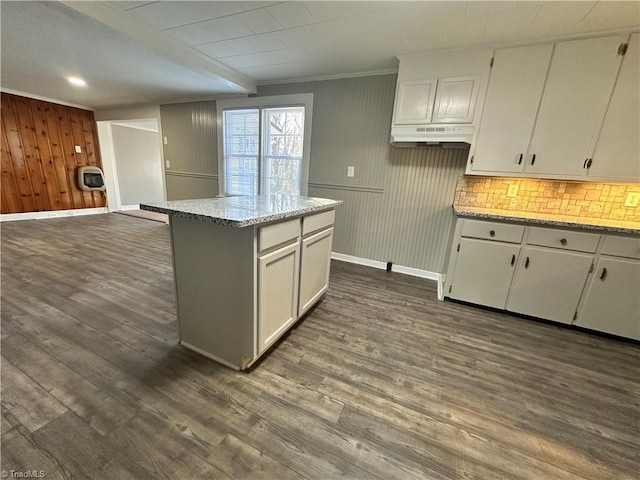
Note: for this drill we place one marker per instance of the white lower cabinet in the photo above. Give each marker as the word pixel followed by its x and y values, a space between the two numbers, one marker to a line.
pixel 569 276
pixel 314 268
pixel 483 271
pixel 548 283
pixel 278 274
pixel 612 301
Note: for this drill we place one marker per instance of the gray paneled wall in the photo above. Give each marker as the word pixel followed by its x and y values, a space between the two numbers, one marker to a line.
pixel 182 186
pixel 191 150
pixel 397 207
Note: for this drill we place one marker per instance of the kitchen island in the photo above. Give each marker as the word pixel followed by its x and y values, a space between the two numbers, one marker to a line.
pixel 246 269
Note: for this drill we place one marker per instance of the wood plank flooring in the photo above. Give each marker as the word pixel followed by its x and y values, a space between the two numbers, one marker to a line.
pixel 380 381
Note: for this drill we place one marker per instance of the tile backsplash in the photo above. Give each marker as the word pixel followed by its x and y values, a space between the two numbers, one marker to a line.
pixel 582 200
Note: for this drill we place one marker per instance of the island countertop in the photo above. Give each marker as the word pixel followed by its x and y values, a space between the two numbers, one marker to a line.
pixel 243 211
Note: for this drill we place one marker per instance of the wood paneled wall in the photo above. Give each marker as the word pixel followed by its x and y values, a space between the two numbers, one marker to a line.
pixel 39 161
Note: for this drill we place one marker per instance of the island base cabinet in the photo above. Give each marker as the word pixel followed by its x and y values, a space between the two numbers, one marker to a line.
pixel 612 303
pixel 278 277
pixel 483 272
pixel 548 283
pixel 314 270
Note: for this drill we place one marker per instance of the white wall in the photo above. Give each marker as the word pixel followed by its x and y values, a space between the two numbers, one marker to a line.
pixel 105 118
pixel 135 113
pixel 138 165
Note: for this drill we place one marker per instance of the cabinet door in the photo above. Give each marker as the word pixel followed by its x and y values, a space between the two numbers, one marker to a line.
pixel 574 102
pixel 483 272
pixel 612 304
pixel 277 293
pixel 515 89
pixel 314 268
pixel 455 99
pixel 548 283
pixel 618 148
pixel 414 102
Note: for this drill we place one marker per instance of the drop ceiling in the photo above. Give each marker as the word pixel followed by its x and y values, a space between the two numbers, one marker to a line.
pixel 133 53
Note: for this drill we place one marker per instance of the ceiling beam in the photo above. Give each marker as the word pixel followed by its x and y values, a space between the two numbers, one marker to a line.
pixel 125 23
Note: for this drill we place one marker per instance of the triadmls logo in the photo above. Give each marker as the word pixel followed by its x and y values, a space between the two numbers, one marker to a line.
pixel 22 474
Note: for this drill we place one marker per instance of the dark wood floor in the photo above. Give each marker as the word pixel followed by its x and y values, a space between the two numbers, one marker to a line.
pixel 380 381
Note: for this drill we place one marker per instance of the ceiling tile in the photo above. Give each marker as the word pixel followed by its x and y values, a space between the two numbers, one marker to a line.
pixel 606 10
pixel 510 24
pixel 170 14
pixel 228 48
pixel 362 7
pixel 266 42
pixel 258 21
pixel 333 29
pixel 294 37
pixel 563 12
pixel 468 31
pixel 243 61
pixel 290 14
pixel 124 5
pixel 478 9
pixel 323 11
pixel 253 5
pixel 278 72
pixel 431 12
pixel 210 31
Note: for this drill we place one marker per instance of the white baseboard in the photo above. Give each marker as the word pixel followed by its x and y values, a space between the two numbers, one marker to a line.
pixel 414 272
pixel 129 207
pixel 12 217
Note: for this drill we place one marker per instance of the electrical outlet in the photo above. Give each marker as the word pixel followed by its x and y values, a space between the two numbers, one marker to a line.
pixel 165 140
pixel 632 199
pixel 350 171
pixel 78 149
pixel 167 163
pixel 512 191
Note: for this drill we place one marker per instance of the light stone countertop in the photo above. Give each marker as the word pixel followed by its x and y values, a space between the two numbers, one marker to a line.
pixel 603 225
pixel 243 211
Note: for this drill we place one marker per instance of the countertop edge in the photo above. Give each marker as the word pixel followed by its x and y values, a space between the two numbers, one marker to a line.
pixel 241 223
pixel 543 221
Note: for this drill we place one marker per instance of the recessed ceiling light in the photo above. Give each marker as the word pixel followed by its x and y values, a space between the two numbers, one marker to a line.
pixel 78 82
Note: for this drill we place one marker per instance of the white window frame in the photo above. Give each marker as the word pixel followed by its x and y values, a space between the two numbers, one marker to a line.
pixel 297 100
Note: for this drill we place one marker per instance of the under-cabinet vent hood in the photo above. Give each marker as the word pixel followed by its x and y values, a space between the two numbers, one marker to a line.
pixel 451 136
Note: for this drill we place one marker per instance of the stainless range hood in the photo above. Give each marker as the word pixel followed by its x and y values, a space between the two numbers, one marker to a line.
pixel 446 136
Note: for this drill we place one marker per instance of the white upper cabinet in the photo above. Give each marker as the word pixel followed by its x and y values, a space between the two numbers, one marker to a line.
pixel 455 100
pixel 617 153
pixel 515 88
pixel 445 100
pixel 578 88
pixel 546 105
pixel 440 87
pixel 414 102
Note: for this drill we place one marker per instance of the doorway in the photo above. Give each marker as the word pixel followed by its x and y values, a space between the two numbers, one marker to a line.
pixel 132 162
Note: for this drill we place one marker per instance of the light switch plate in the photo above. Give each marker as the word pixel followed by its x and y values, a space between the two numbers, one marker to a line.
pixel 78 149
pixel 167 163
pixel 165 140
pixel 512 191
pixel 632 199
pixel 350 171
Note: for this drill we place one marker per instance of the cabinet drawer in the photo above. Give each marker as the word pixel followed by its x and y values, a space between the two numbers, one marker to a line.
pixel 313 223
pixel 492 231
pixel 277 234
pixel 549 237
pixel 621 246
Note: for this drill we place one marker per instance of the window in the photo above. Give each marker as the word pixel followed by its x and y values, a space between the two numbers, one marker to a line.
pixel 263 145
